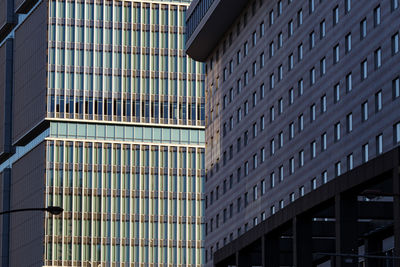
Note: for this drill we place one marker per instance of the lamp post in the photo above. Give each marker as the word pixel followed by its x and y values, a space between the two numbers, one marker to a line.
pixel 53 210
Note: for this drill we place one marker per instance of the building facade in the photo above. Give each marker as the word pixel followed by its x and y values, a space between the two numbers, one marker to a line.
pixel 102 113
pixel 297 93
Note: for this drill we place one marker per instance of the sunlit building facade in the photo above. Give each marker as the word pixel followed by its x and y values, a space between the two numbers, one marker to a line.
pixel 107 121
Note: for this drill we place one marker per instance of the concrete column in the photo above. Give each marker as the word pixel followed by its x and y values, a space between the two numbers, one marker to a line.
pixel 271 251
pixel 302 242
pixel 346 229
pixel 372 245
pixel 396 209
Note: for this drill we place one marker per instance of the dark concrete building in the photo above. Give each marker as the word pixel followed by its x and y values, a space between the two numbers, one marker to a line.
pixel 298 93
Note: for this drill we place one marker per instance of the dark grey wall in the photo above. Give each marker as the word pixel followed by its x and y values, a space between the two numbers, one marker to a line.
pixel 6 72
pixel 381 122
pixel 30 65
pixel 28 191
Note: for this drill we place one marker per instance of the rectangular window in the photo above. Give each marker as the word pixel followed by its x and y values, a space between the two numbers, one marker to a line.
pixel 364 111
pixel 347 6
pixel 272 147
pixel 262 29
pixel 280 105
pixel 280 139
pixel 271 81
pixel 254 68
pixel 291 197
pixel 262 91
pixel 272 180
pixel 255 161
pixel 323 104
pixel 301 158
pixel 336 54
pixel 322 64
pixel 299 17
pixel 349 123
pixel 365 152
pixel 262 154
pixel 271 49
pixel 394 4
pixel 301 191
pixel 263 189
pixel 300 52
pixel 363 28
pixel 349 82
pixel 280 73
pixel 262 60
pixel 272 114
pixel 379 144
pixel 348 43
pixel 323 142
pixel 291 96
pixel 322 29
pixel 336 93
pixel 300 86
pixel 245 49
pixel 254 39
pixel 300 120
pixel 378 101
pixel 290 62
pixel 396 134
pixel 291 166
pixel 246 78
pixel 312 113
pixel 279 7
pixel 313 148
pixel 312 76
pixel 314 183
pixel 337 131
pixel 291 131
pixel 231 95
pixel 350 161
pixel 338 169
pixel 254 99
pixel 395 44
pixel 290 28
pixel 324 176
pixel 311 6
pixel 377 16
pixel 271 17
pixel 238 57
pixel 246 138
pixel 280 40
pixel 254 130
pixel 281 173
pixel 312 40
pixel 364 69
pixel 396 87
pixel 335 14
pixel 378 58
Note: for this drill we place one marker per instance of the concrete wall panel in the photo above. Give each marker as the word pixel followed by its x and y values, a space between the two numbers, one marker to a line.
pixel 27 191
pixel 29 96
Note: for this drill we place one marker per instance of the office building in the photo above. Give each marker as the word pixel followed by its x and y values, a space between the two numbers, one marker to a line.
pixel 102 113
pixel 297 94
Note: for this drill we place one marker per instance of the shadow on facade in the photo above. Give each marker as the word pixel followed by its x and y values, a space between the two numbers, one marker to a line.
pixel 354 220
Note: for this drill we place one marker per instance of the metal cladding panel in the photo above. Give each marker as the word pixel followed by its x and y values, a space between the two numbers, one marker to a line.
pixel 5 99
pixel 5 219
pixel 7 18
pixel 29 95
pixel 27 191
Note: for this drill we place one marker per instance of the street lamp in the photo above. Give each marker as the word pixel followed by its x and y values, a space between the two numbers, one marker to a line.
pixel 53 210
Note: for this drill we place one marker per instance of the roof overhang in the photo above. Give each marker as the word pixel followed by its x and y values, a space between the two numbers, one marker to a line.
pixel 212 27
